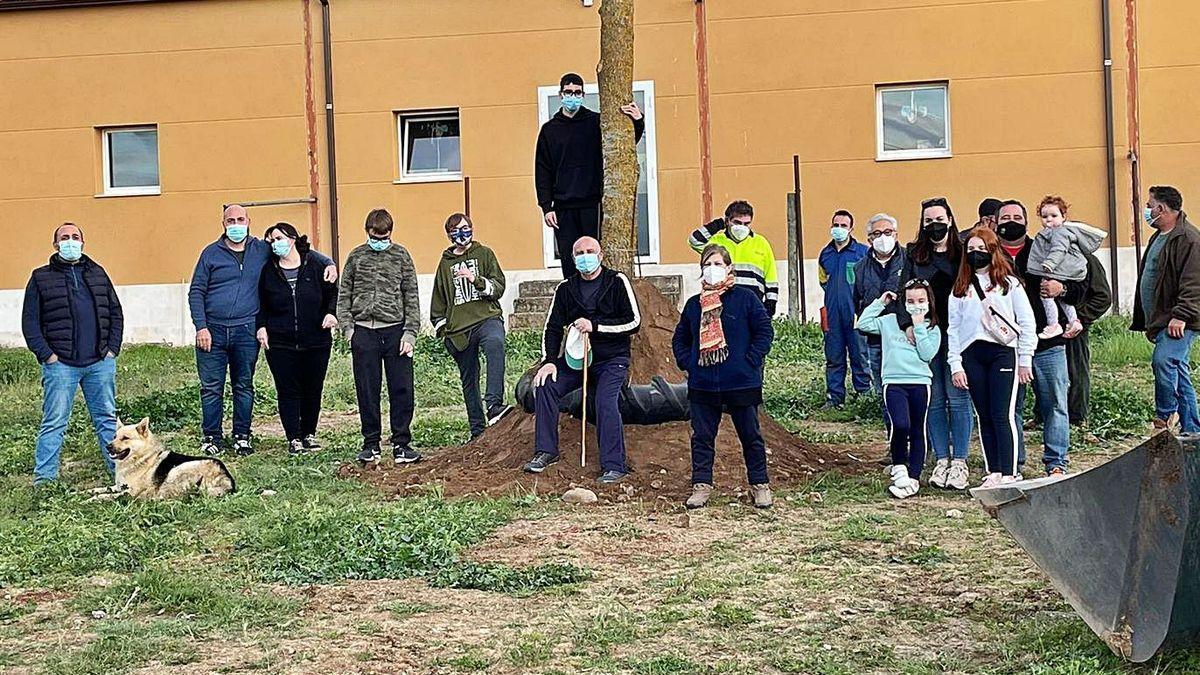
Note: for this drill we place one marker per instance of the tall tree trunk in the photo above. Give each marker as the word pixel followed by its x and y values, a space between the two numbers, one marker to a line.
pixel 615 73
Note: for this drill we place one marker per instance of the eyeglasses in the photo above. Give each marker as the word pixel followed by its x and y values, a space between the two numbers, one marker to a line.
pixel 916 283
pixel 934 201
pixel 571 92
pixel 879 233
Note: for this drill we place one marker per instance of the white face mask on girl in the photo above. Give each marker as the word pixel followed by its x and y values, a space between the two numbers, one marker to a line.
pixel 714 274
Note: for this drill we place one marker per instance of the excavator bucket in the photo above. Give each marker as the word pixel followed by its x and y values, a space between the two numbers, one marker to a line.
pixel 1121 542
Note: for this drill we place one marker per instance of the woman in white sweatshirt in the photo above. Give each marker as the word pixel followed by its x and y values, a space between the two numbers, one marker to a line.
pixel 990 341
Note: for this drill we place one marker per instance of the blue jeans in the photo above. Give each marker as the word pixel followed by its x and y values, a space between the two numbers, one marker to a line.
pixel 1051 384
pixel 875 360
pixel 59 383
pixel 950 412
pixel 1173 391
pixel 234 348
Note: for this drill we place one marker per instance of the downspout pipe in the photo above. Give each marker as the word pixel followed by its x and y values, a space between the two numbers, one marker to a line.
pixel 1110 148
pixel 330 137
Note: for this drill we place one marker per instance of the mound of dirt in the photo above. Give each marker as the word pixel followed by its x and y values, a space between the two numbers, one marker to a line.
pixel 659 459
pixel 658 456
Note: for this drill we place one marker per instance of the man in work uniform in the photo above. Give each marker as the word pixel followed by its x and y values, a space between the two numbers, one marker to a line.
pixel 836 275
pixel 753 259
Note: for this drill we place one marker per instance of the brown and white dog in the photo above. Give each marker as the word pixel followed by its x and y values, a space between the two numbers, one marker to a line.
pixel 147 470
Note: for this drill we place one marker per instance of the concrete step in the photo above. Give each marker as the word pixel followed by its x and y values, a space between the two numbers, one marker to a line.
pixel 670 285
pixel 523 320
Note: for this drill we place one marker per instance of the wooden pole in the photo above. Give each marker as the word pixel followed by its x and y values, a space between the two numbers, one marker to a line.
pixel 615 75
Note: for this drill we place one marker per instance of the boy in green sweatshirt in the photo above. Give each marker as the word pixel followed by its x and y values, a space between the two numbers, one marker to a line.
pixel 465 313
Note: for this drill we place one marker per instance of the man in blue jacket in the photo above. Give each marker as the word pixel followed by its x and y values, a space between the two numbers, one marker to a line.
pixel 877 272
pixel 223 299
pixel 836 275
pixel 72 322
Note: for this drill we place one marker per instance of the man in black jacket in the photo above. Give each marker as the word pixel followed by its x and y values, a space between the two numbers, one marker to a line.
pixel 599 303
pixel 73 323
pixel 569 168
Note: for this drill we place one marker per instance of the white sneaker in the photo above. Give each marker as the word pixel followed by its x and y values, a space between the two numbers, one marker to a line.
pixel 940 472
pixel 991 480
pixel 1051 331
pixel 1005 480
pixel 959 475
pixel 905 489
pixel 899 474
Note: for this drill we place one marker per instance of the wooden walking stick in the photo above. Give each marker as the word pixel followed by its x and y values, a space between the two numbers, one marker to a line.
pixel 587 344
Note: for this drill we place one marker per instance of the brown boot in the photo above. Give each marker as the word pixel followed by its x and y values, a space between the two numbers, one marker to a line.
pixel 700 494
pixel 762 496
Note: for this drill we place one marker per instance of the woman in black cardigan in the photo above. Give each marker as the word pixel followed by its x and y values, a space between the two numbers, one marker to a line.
pixel 297 309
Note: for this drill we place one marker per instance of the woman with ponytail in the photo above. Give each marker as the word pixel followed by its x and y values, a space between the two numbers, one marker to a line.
pixel 722 339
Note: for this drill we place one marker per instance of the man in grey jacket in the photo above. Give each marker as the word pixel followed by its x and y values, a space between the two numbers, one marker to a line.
pixel 380 313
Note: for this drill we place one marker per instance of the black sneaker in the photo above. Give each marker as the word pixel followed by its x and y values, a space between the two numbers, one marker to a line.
pixel 295 447
pixel 539 462
pixel 369 453
pixel 310 442
pixel 241 445
pixel 211 446
pixel 405 455
pixel 610 477
pixel 496 412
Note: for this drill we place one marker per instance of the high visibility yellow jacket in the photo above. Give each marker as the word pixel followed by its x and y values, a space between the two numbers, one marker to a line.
pixel 753 260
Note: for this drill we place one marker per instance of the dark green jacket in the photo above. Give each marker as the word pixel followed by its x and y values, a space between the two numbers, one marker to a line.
pixel 380 286
pixel 458 305
pixel 1098 298
pixel 1177 288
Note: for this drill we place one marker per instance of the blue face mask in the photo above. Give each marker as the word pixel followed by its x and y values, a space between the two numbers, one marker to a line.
pixel 236 233
pixel 281 247
pixel 461 237
pixel 839 234
pixel 379 244
pixel 70 250
pixel 1147 217
pixel 587 262
pixel 572 103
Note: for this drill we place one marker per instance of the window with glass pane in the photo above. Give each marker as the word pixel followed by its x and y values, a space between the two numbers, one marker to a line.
pixel 592 101
pixel 431 146
pixel 914 122
pixel 132 156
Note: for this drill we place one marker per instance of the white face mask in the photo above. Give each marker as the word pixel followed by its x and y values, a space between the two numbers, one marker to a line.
pixel 738 232
pixel 883 244
pixel 714 274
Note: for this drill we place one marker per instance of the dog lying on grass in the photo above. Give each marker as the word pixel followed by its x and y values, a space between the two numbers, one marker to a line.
pixel 147 470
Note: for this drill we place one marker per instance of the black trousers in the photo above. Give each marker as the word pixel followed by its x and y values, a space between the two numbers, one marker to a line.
pixel 573 224
pixel 374 352
pixel 706 419
pixel 299 376
pixel 487 337
pixel 1079 372
pixel 992 380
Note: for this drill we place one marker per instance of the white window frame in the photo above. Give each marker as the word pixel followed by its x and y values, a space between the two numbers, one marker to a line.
pixel 882 155
pixel 403 118
pixel 109 190
pixel 649 138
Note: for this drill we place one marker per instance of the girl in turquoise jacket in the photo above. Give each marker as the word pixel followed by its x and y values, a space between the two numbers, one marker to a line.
pixel 906 378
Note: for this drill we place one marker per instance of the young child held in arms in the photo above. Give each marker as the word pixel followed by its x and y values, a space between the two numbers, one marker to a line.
pixel 1057 253
pixel 906 378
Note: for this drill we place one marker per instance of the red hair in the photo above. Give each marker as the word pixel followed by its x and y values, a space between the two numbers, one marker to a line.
pixel 999 269
pixel 1054 200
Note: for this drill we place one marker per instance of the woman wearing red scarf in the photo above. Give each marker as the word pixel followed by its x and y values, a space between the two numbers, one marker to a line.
pixel 722 338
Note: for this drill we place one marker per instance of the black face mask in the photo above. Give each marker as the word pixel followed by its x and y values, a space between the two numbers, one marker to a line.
pixel 978 259
pixel 937 231
pixel 1010 230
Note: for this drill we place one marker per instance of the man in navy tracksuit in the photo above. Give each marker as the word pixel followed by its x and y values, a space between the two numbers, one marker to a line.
pixel 598 302
pixel 568 168
pixel 223 299
pixel 836 275
pixel 73 324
